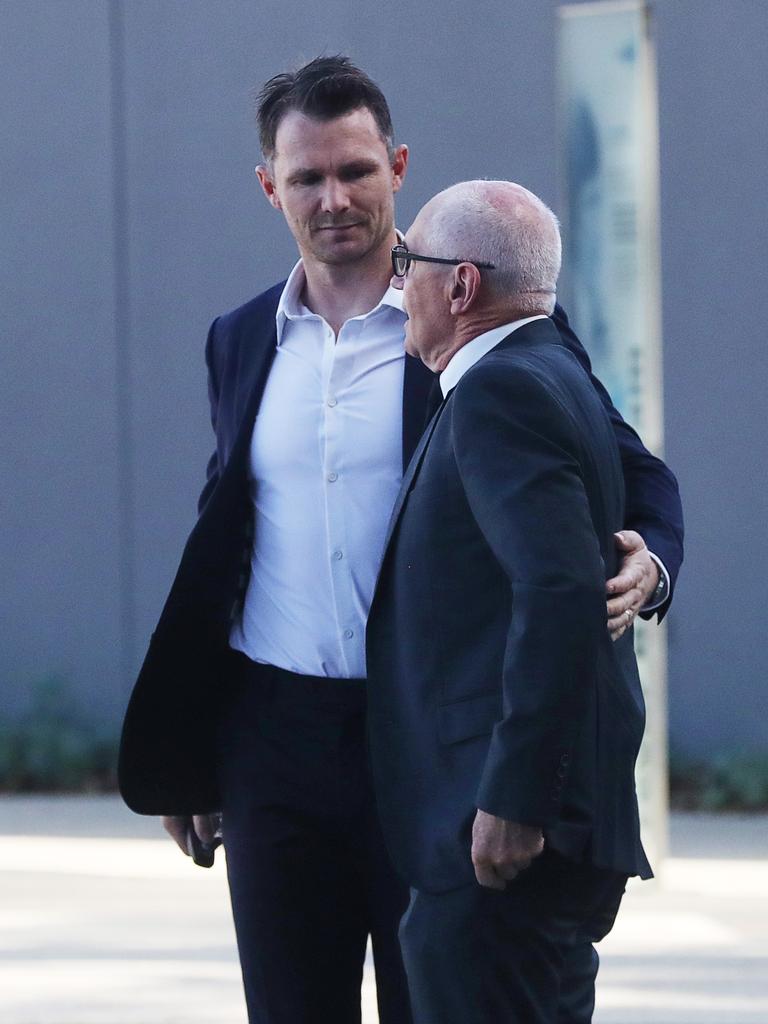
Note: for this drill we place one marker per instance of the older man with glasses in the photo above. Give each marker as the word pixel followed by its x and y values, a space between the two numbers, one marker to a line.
pixel 504 723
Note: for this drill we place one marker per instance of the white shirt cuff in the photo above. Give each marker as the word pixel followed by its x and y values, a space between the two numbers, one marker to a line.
pixel 651 605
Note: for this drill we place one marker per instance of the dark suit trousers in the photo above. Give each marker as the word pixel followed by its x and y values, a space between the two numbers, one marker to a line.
pixel 308 873
pixel 480 956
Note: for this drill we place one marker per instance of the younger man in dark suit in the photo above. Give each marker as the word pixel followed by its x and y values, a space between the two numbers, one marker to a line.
pixel 504 724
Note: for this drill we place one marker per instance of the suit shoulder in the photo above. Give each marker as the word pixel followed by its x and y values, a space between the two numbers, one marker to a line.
pixel 523 388
pixel 552 367
pixel 253 320
pixel 514 371
pixel 258 309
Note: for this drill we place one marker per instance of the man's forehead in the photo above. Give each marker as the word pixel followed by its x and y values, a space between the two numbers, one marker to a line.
pixel 297 131
pixel 414 232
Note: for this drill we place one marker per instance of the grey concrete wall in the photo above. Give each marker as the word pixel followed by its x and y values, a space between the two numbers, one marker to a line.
pixel 59 548
pixel 131 217
pixel 713 72
pixel 134 218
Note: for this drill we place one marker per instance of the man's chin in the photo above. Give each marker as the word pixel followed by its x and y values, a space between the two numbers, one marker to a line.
pixel 408 344
pixel 418 352
pixel 342 253
pixel 342 247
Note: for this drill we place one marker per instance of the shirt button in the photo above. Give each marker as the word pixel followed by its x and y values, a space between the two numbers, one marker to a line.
pixel 348 634
pixel 338 555
pixel 332 402
pixel 333 477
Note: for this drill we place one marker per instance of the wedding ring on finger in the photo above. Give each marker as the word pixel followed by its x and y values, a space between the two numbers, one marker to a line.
pixel 628 613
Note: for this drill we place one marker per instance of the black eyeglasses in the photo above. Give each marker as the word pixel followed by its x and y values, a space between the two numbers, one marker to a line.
pixel 402 258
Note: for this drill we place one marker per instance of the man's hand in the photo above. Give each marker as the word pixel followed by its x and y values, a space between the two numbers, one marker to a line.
pixel 205 826
pixel 501 849
pixel 630 590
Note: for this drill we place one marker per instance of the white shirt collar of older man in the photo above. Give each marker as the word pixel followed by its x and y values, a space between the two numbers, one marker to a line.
pixel 291 306
pixel 470 353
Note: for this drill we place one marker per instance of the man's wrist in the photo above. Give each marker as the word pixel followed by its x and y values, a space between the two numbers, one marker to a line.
pixel 661 591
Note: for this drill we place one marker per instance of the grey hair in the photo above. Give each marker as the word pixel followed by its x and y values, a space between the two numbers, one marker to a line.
pixel 502 223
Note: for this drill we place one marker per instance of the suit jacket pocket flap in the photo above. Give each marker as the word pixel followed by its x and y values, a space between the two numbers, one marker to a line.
pixel 469 717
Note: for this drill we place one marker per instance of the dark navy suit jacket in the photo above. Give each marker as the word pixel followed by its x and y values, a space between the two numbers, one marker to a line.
pixel 493 681
pixel 166 757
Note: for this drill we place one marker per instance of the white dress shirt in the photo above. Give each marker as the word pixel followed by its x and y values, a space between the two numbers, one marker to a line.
pixel 467 356
pixel 326 466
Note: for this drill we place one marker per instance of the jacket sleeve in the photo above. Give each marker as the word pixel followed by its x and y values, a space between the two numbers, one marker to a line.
pixel 653 506
pixel 212 470
pixel 536 520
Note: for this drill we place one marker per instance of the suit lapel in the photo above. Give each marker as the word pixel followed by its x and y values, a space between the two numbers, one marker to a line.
pixel 412 471
pixel 417 380
pixel 256 353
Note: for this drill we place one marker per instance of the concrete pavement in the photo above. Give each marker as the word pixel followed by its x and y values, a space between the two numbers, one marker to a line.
pixel 103 921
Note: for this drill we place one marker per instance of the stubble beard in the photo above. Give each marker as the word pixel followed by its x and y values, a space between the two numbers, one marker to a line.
pixel 341 255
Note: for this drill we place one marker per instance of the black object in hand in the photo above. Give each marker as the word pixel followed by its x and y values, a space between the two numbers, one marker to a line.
pixel 202 853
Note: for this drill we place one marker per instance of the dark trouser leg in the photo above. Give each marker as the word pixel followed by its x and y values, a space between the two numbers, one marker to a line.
pixel 577 985
pixel 477 956
pixel 297 824
pixel 581 962
pixel 387 902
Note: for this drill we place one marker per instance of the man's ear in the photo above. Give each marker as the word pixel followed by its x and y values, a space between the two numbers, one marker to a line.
pixel 268 187
pixel 399 167
pixel 464 288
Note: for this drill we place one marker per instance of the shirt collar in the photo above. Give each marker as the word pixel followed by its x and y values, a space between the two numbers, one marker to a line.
pixel 291 307
pixel 475 349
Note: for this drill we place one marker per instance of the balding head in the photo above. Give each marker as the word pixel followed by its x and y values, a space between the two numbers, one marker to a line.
pixel 502 223
pixel 448 296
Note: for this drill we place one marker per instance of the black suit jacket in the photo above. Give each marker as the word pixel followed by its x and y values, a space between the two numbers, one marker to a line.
pixel 492 679
pixel 166 756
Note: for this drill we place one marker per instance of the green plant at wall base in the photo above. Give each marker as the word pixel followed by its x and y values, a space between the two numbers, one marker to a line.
pixel 54 747
pixel 733 781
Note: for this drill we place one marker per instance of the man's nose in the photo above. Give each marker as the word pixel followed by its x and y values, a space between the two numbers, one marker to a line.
pixel 397 282
pixel 335 196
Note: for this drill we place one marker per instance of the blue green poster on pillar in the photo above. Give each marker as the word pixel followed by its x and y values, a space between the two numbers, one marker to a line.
pixel 608 144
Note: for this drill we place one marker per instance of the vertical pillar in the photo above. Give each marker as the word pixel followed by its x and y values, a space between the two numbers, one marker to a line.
pixel 610 183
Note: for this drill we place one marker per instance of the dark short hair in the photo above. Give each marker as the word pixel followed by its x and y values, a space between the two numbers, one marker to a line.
pixel 325 88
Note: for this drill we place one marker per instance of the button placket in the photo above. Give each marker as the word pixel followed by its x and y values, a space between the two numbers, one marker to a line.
pixel 333 450
pixel 330 381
